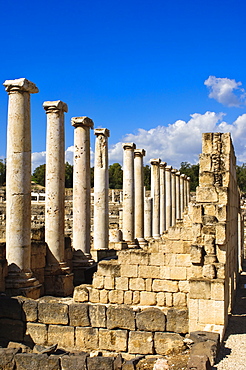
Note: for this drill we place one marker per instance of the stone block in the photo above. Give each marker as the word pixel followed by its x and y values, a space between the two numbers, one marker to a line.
pixel 113 340
pixel 209 271
pixel 62 335
pixel 81 293
pixel 128 297
pixel 108 268
pixel 109 282
pixel 206 194
pixel 97 314
pixel 196 254
pixel 86 339
pixel 103 296
pixel 199 362
pixel 140 342
pixel 75 362
pixel 38 333
pixel 178 273
pixel 221 213
pixel 151 319
pixel 130 364
pixel 79 314
pixel 11 330
pixel 136 284
pixel 147 298
pixel 94 296
pixel 168 299
pixel 121 283
pixel 218 290
pixel 120 317
pixel 197 213
pixel 148 285
pixel 157 259
pixel 205 162
pixel 179 299
pixel 38 254
pixel 129 270
pixel 36 361
pixel 165 286
pixel 116 296
pixel 103 363
pixel 136 297
pixel 177 321
pixel 7 356
pixel 182 260
pixel 149 272
pixel 184 286
pixel 98 281
pixel 206 178
pixel 168 343
pixel 207 348
pixel 160 298
pixel 51 312
pixel 200 288
pixel 10 308
pixel 221 235
pixel 30 310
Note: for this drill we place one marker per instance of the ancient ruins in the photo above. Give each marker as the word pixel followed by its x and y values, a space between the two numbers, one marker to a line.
pixel 128 272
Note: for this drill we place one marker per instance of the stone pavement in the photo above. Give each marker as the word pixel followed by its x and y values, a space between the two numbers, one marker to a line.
pixel 233 351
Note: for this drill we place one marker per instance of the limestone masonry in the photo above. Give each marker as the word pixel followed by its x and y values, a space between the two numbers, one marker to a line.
pixel 135 273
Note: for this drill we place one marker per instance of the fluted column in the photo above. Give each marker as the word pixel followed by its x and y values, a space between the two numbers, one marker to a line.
pixel 81 184
pixel 139 195
pixel 168 197
pixel 162 198
pixel 178 213
pixel 128 192
pixel 182 179
pixel 155 194
pixel 55 181
pixel 101 186
pixel 173 186
pixel 18 187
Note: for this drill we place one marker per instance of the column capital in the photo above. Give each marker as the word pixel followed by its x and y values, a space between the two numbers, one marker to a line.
pixel 139 153
pixel 82 122
pixel 174 171
pixel 177 173
pixel 163 164
pixel 188 178
pixel 55 106
pixel 129 146
pixel 102 131
pixel 183 176
pixel 168 168
pixel 20 85
pixel 155 161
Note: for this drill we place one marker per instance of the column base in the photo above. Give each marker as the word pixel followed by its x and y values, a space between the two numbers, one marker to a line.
pixel 22 283
pixel 142 242
pixel 58 280
pixel 118 246
pixel 132 244
pixel 99 254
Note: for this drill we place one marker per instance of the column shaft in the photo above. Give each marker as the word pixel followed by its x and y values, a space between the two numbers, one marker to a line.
pixel 182 194
pixel 128 192
pixel 101 185
pixel 178 213
pixel 139 194
pixel 168 197
pixel 148 217
pixel 82 184
pixel 173 185
pixel 155 194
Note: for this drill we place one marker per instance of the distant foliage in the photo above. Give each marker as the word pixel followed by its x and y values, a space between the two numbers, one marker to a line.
pixel 147 176
pixel 241 177
pixel 38 175
pixel 2 172
pixel 68 175
pixel 192 171
pixel 115 176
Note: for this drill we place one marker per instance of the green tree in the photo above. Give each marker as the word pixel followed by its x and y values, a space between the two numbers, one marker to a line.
pixel 2 172
pixel 115 176
pixel 192 171
pixel 68 175
pixel 241 177
pixel 38 175
pixel 147 176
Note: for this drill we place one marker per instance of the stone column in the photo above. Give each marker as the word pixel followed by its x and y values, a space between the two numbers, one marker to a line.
pixel 112 196
pixel 121 196
pixel 188 190
pixel 139 195
pixel 178 213
pixel 101 185
pixel 155 194
pixel 182 179
pixel 185 192
pixel 128 193
pixel 162 198
pixel 18 190
pixel 168 197
pixel 55 184
pixel 173 185
pixel 148 217
pixel 81 185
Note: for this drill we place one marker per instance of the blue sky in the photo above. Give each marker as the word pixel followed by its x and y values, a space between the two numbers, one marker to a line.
pixel 135 67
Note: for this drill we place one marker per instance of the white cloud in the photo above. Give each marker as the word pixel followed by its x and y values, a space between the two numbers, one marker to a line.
pixel 226 91
pixel 38 158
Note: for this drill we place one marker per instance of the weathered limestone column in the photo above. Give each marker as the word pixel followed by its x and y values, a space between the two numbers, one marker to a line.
pixel 81 185
pixel 162 198
pixel 148 202
pixel 185 192
pixel 168 196
pixel 182 179
pixel 112 196
pixel 55 186
pixel 173 185
pixel 155 194
pixel 188 190
pixel 121 197
pixel 101 185
pixel 139 195
pixel 18 190
pixel 128 193
pixel 178 213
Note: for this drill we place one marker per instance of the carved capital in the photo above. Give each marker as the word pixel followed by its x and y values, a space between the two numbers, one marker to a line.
pixel 102 131
pixel 55 106
pixel 82 122
pixel 20 85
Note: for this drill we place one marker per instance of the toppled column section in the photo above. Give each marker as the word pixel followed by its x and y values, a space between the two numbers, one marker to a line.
pixel 18 190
